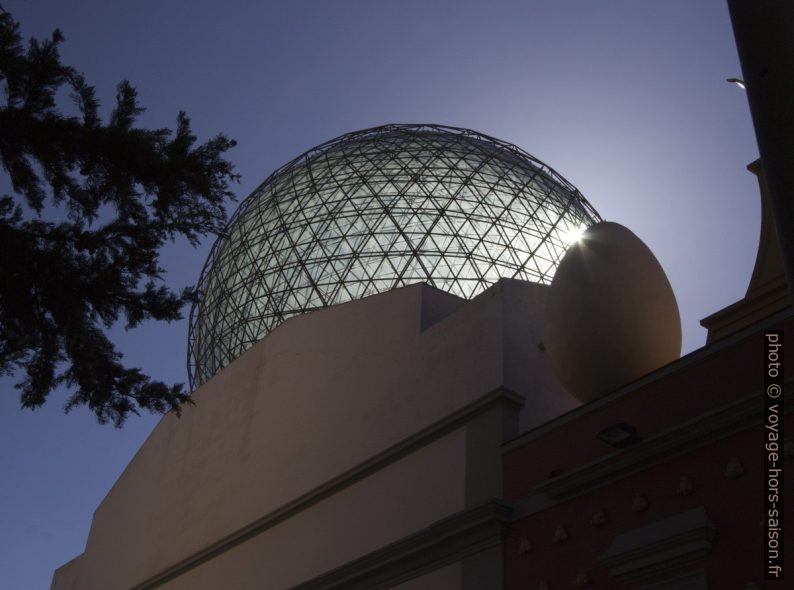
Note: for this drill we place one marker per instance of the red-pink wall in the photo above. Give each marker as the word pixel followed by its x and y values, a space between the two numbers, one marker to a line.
pixel 734 505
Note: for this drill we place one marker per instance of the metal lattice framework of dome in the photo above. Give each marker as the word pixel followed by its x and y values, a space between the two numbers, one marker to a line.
pixel 371 211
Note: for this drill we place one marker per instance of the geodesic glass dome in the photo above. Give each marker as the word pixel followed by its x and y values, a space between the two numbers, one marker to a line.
pixel 371 211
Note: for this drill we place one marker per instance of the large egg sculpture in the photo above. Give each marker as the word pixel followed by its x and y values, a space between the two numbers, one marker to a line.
pixel 611 315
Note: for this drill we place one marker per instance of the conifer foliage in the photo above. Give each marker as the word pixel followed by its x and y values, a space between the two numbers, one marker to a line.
pixel 92 203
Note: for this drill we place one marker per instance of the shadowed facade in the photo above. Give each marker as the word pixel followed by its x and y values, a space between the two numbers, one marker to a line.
pixel 354 447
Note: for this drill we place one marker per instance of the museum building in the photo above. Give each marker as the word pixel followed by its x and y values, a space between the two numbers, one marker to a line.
pixel 421 360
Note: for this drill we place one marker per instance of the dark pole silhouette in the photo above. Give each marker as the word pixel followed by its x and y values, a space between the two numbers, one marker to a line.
pixel 764 34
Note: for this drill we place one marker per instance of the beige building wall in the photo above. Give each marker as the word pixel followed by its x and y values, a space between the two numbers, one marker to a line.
pixel 391 504
pixel 356 446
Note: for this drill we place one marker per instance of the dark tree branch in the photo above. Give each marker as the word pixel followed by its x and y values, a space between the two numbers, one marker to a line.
pixel 62 283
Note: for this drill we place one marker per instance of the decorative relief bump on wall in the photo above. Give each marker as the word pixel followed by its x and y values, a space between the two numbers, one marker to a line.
pixel 582 579
pixel 639 503
pixel 544 585
pixel 599 518
pixel 734 469
pixel 560 534
pixel 524 546
pixel 685 486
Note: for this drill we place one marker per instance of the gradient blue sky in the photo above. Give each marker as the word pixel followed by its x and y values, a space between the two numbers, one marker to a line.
pixel 626 99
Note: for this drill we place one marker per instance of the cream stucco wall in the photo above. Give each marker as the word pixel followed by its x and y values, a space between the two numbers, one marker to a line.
pixel 341 432
pixel 367 515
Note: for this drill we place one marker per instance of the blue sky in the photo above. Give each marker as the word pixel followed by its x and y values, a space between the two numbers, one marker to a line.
pixel 626 99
